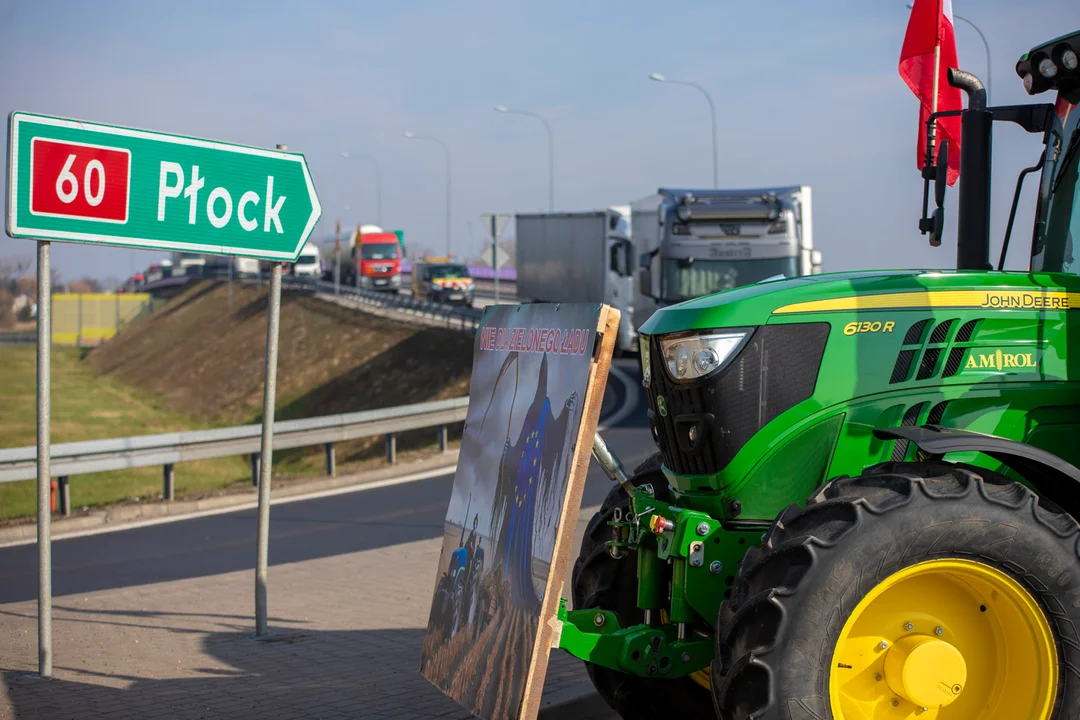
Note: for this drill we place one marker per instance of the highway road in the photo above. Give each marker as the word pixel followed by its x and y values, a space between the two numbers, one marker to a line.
pixel 321 527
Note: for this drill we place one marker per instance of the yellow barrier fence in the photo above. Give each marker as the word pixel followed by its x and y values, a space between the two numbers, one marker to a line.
pixel 87 319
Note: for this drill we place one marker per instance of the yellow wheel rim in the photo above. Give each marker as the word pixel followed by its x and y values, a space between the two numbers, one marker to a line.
pixel 945 640
pixel 701 677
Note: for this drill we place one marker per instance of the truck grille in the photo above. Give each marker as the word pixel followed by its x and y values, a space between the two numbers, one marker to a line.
pixel 775 371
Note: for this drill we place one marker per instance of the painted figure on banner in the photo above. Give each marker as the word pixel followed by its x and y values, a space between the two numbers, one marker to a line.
pixel 527 469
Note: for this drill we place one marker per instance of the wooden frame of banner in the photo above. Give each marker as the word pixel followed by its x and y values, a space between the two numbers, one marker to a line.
pixel 548 630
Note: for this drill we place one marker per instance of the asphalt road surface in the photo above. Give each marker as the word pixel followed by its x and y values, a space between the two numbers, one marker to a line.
pixel 304 530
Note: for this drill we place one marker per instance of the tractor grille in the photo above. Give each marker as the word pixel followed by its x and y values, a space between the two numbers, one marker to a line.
pixel 775 370
pixel 923 351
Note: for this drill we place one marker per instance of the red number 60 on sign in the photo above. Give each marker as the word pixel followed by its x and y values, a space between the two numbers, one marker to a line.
pixel 88 182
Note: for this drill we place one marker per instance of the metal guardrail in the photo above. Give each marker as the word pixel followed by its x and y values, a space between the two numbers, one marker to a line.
pixel 455 317
pixel 80 458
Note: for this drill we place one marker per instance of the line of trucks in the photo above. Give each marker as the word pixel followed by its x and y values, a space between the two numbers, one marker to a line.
pixel 682 243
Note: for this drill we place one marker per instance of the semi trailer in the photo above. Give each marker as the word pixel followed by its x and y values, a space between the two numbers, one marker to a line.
pixel 578 257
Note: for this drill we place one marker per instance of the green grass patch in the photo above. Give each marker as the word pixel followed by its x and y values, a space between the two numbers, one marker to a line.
pixel 86 406
pixel 89 406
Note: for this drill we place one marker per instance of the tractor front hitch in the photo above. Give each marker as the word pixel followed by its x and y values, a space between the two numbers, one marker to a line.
pixel 686 561
pixel 649 651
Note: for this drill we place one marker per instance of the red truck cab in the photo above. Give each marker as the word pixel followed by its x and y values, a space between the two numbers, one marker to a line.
pixel 378 262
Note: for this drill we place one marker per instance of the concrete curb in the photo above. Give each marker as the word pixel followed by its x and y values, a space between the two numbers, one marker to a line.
pixel 120 515
pixel 576 702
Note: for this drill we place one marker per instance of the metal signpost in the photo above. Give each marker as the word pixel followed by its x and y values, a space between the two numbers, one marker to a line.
pixel 337 258
pixel 496 224
pixel 74 181
pixel 44 477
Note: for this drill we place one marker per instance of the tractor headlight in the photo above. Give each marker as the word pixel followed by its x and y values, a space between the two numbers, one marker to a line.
pixel 646 362
pixel 692 357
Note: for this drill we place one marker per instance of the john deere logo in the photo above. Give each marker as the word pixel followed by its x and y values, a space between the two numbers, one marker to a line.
pixel 1000 361
pixel 661 405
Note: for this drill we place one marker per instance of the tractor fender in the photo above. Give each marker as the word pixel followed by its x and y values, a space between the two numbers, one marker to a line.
pixel 1054 478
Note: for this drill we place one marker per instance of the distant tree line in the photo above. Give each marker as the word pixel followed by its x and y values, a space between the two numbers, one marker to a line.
pixel 17 280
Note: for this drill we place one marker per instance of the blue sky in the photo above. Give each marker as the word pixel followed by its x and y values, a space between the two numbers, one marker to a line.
pixel 806 93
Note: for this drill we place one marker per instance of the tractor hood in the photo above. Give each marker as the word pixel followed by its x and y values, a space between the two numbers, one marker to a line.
pixel 794 298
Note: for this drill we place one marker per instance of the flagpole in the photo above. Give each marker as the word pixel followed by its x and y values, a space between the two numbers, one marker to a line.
pixel 937 74
pixel 934 99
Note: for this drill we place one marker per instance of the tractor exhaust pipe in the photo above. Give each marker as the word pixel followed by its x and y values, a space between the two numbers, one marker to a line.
pixel 973 221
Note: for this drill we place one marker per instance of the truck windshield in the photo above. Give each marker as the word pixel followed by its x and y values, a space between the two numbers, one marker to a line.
pixel 1059 195
pixel 449 271
pixel 683 280
pixel 378 251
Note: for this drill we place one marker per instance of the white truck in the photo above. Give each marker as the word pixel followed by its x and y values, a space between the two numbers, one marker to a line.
pixel 696 242
pixel 308 264
pixel 188 263
pixel 246 267
pixel 579 257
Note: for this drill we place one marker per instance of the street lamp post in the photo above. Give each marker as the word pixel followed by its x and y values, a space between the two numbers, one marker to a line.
pixel 551 149
pixel 378 182
pixel 985 45
pixel 712 113
pixel 446 150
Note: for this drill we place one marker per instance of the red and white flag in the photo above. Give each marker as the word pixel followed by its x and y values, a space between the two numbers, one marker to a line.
pixel 929 51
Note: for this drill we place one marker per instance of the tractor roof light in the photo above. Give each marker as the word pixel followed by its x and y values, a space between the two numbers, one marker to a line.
pixel 1068 59
pixel 1053 66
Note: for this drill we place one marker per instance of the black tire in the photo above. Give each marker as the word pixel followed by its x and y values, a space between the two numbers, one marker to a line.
pixel 780 640
pixel 600 580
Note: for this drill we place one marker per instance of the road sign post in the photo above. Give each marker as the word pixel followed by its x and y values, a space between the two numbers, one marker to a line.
pixel 337 258
pixel 81 182
pixel 496 224
pixel 44 506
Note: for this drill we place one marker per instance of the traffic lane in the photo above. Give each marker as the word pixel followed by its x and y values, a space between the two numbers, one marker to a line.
pixel 224 543
pixel 630 367
pixel 306 530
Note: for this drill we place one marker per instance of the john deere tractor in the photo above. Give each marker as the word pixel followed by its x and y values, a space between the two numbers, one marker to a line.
pixel 866 495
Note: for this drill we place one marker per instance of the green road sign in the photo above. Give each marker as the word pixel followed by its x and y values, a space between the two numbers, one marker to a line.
pixel 73 181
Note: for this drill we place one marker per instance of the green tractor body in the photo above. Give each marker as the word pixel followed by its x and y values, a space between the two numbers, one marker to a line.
pixel 761 396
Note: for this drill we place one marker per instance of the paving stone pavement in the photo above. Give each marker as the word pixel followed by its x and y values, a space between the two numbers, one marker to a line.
pixel 347 635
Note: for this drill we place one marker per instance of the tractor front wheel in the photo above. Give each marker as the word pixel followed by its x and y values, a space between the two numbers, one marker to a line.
pixel 601 581
pixel 914 590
